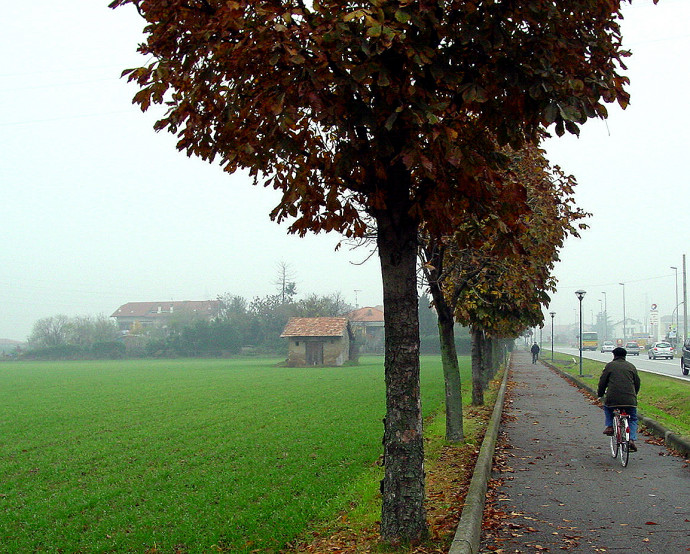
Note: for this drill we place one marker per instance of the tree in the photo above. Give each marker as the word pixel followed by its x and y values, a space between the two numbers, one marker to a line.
pixel 50 331
pixel 86 331
pixel 315 305
pixel 287 287
pixel 501 296
pixel 432 256
pixel 378 106
pixel 427 316
pixel 234 311
pixel 270 315
pixel 450 270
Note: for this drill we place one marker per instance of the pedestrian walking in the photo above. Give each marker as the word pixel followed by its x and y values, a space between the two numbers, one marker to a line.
pixel 535 352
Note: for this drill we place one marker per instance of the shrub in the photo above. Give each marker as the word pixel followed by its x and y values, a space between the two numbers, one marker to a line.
pixel 108 349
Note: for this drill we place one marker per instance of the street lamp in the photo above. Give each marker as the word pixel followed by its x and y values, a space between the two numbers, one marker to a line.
pixel 552 314
pixel 676 270
pixel 606 319
pixel 580 295
pixel 624 329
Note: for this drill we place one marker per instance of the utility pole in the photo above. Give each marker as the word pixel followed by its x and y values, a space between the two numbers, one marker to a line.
pixel 624 329
pixel 685 304
pixel 674 268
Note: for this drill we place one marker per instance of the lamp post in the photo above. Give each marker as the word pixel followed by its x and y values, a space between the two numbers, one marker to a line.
pixel 676 270
pixel 624 329
pixel 606 319
pixel 552 314
pixel 580 295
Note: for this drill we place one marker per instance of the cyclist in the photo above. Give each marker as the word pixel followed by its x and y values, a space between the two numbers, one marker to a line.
pixel 535 352
pixel 621 383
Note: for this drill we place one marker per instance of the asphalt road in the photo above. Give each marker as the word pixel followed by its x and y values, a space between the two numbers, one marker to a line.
pixel 561 488
pixel 670 368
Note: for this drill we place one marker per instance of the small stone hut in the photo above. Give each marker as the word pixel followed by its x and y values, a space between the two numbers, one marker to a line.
pixel 318 341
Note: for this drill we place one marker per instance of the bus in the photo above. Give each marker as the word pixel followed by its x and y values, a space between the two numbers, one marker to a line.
pixel 590 340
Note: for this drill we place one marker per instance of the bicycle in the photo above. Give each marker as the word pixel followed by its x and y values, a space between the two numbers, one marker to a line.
pixel 620 440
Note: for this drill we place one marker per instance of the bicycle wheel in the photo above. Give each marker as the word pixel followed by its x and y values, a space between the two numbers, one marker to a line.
pixel 614 438
pixel 624 450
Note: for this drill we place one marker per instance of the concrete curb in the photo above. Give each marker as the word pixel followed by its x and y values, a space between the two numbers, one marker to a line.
pixel 671 440
pixel 468 534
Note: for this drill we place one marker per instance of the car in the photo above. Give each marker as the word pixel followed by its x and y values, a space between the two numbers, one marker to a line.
pixel 660 349
pixel 632 348
pixel 685 358
pixel 608 346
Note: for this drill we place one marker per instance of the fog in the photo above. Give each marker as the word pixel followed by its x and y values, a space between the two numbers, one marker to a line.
pixel 98 210
pixel 631 175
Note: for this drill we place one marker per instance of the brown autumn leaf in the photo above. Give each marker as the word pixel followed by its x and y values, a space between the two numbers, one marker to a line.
pixel 304 103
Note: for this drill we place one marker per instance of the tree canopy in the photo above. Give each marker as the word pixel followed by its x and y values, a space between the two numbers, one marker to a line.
pixel 380 107
pixel 503 294
pixel 322 101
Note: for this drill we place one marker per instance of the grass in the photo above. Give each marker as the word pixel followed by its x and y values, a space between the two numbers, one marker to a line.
pixel 187 455
pixel 448 468
pixel 664 399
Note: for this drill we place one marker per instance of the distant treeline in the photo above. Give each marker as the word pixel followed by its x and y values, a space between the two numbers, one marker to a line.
pixel 239 327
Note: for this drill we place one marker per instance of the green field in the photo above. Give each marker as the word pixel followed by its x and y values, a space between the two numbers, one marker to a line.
pixel 185 455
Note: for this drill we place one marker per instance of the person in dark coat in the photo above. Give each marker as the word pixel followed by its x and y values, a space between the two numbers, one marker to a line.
pixel 618 386
pixel 535 352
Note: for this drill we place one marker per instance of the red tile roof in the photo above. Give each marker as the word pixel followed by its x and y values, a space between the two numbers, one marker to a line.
pixel 366 314
pixel 315 327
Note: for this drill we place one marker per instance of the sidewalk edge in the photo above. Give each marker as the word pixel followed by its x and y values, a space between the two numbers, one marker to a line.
pixel 676 442
pixel 468 533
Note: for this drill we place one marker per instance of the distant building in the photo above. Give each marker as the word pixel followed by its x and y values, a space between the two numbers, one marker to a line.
pixel 368 328
pixel 318 341
pixel 9 346
pixel 632 327
pixel 147 314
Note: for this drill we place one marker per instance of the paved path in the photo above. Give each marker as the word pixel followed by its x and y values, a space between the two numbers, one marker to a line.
pixel 565 490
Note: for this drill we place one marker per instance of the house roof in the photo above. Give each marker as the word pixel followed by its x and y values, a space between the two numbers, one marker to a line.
pixel 156 309
pixel 315 327
pixel 366 314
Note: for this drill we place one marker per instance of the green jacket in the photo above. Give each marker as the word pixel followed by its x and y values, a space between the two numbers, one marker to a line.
pixel 620 382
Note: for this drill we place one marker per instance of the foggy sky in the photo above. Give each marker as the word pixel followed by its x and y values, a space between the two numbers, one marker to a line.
pixel 98 210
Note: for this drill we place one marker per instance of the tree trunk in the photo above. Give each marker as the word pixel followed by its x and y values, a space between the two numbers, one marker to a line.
pixel 487 361
pixel 403 517
pixel 451 374
pixel 446 332
pixel 451 370
pixel 477 378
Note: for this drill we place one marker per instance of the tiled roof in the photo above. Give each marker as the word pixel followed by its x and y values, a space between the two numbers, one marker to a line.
pixel 153 309
pixel 366 314
pixel 315 327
